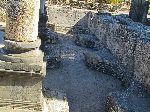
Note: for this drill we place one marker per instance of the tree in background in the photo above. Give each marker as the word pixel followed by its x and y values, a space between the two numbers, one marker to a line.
pixel 139 10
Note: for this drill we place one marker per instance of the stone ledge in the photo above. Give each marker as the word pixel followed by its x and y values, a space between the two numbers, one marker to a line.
pixel 22 46
pixel 8 68
pixel 33 56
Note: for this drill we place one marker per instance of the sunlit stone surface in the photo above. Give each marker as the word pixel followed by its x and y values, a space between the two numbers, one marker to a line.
pixel 21 62
pixel 22 20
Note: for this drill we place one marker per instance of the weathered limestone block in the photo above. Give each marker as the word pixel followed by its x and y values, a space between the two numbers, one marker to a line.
pixel 19 47
pixel 26 58
pixel 21 88
pixel 20 91
pixel 55 101
pixel 142 61
pixel 22 20
pixel 133 99
pixel 117 37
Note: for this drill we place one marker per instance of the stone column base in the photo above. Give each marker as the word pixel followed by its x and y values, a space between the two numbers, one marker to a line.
pixel 21 78
pixel 20 91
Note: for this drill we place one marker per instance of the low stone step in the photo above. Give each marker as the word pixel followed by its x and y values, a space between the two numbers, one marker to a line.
pixel 34 67
pixel 34 56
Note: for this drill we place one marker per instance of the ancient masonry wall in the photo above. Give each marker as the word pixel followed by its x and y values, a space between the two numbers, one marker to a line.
pixel 66 19
pixel 127 40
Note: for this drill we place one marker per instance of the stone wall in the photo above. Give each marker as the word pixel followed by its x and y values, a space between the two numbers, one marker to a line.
pixel 127 40
pixel 67 19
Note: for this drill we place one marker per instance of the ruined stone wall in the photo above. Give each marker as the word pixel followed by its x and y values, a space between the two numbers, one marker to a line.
pixel 66 19
pixel 127 40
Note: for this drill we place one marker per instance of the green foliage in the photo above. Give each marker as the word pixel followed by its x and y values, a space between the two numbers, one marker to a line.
pixel 116 1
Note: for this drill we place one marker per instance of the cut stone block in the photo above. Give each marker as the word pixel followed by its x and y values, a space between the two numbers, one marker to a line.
pixel 34 67
pixel 134 99
pixel 34 56
pixel 55 101
pixel 21 46
pixel 21 85
pixel 20 91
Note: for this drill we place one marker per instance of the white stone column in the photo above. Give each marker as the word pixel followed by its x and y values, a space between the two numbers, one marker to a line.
pixel 22 20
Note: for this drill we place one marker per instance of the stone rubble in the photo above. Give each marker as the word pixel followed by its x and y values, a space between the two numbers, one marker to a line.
pixel 128 41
